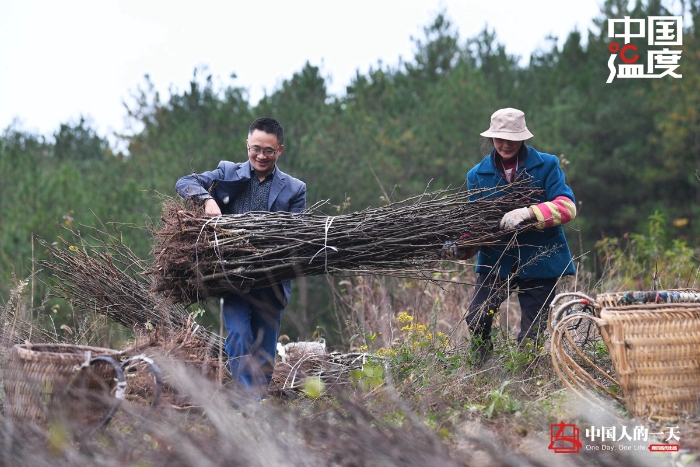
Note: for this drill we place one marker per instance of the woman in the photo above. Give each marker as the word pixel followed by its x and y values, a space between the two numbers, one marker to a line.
pixel 532 260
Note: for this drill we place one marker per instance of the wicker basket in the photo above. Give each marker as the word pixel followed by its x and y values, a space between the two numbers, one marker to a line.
pixel 655 350
pixel 47 382
pixel 572 302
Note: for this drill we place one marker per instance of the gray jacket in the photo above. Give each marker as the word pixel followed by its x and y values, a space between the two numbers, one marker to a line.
pixel 229 180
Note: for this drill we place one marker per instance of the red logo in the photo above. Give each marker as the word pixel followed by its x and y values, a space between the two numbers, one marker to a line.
pixel 564 438
pixel 624 57
pixel 664 447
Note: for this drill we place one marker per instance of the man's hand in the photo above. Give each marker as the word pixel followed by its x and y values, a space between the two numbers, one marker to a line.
pixel 515 218
pixel 211 208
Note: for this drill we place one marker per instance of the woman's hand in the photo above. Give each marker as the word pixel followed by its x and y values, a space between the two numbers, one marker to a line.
pixel 515 218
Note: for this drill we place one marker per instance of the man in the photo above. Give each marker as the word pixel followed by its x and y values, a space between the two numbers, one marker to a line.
pixel 252 319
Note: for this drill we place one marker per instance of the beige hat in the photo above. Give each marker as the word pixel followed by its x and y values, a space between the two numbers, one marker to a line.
pixel 508 124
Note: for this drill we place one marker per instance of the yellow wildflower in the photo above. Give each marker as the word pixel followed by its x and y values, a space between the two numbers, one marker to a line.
pixel 404 317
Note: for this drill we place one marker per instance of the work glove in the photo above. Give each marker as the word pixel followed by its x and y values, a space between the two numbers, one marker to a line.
pixel 450 250
pixel 515 218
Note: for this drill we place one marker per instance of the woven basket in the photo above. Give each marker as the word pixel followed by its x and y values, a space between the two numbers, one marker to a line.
pixel 655 350
pixel 571 302
pixel 47 382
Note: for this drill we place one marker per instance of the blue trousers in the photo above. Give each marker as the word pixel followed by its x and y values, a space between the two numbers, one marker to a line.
pixel 253 325
pixel 534 295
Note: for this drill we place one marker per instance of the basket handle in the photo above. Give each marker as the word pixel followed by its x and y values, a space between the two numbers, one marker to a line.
pixel 556 311
pixel 562 296
pixel 153 369
pixel 120 389
pixel 569 371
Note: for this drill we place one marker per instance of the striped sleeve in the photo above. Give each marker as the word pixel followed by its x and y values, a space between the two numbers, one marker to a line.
pixel 559 211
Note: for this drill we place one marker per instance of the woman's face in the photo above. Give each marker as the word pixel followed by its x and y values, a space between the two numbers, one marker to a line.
pixel 506 148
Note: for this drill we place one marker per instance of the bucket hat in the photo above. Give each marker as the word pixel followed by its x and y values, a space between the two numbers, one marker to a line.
pixel 508 124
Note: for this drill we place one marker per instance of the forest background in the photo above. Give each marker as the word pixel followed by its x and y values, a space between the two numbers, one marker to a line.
pixel 630 149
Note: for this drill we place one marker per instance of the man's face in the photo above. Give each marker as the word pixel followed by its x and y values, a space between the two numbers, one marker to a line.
pixel 262 142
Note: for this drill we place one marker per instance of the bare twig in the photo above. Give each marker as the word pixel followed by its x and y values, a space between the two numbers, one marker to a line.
pixel 198 256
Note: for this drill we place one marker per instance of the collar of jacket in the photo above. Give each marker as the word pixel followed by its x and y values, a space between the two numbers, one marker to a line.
pixel 532 160
pixel 246 170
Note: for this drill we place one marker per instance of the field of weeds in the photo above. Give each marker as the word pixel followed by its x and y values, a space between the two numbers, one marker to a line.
pixel 413 395
pixel 417 400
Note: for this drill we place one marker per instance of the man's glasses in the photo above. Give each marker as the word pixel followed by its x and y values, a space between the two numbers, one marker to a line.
pixel 267 152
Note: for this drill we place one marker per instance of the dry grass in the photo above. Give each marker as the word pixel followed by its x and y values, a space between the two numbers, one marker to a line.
pixel 435 426
pixel 429 407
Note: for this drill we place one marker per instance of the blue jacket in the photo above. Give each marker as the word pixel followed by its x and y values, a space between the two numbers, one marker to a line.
pixel 539 254
pixel 231 178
